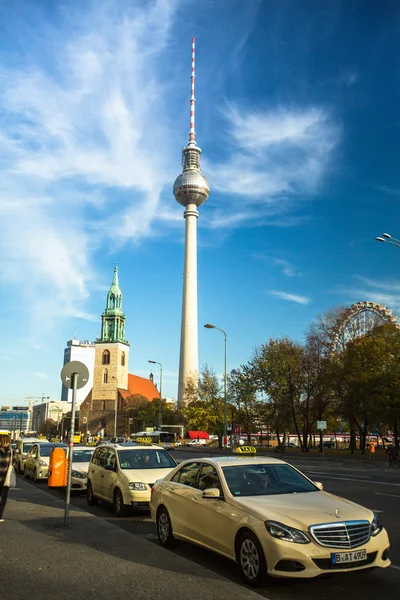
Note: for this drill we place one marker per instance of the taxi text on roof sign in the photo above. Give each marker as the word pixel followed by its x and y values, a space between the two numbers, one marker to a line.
pixel 144 440
pixel 246 450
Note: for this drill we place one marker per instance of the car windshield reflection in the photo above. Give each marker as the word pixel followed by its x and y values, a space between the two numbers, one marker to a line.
pixel 266 480
pixel 82 456
pixel 145 459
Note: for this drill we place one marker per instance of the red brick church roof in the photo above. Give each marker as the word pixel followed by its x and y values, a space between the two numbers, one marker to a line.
pixel 140 385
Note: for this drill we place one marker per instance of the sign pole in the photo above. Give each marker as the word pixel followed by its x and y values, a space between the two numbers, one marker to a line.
pixel 70 447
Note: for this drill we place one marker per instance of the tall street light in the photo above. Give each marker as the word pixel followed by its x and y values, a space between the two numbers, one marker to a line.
pixel 388 239
pixel 209 326
pixel 116 406
pixel 154 362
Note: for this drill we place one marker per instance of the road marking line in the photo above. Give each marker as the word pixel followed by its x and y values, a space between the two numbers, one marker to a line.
pixel 377 511
pixel 381 494
pixel 358 481
pixel 361 477
pixel 395 567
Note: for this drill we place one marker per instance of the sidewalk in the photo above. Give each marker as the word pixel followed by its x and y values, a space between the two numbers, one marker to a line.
pixel 40 559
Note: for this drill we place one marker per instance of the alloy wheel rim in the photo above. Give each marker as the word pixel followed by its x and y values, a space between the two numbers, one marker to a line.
pixel 118 503
pixel 163 526
pixel 249 559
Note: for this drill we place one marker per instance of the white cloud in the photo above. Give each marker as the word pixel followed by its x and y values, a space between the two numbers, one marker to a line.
pixel 286 267
pixel 384 292
pixel 290 297
pixel 274 156
pixel 78 149
pixel 40 375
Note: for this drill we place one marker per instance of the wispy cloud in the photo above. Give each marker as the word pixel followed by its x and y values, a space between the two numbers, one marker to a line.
pixel 290 297
pixel 78 149
pixel 370 290
pixel 286 267
pixel 275 156
pixel 41 375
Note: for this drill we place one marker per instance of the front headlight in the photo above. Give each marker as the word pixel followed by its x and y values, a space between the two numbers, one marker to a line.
pixel 137 486
pixel 285 533
pixel 43 464
pixel 376 525
pixel 78 474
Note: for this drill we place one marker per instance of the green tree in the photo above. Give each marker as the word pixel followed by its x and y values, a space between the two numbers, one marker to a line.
pixel 205 405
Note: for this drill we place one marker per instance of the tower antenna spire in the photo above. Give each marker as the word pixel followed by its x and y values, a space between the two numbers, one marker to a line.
pixel 192 133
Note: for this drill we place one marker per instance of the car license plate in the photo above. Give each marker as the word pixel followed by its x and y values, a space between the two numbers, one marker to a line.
pixel 348 557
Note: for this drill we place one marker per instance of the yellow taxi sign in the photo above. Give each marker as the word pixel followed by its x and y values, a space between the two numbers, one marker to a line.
pixel 246 450
pixel 91 443
pixel 144 440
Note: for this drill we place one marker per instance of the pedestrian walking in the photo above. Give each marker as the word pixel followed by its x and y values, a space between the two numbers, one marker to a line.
pixel 6 467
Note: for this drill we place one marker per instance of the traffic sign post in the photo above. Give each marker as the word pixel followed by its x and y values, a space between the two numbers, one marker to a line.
pixel 73 375
pixel 321 426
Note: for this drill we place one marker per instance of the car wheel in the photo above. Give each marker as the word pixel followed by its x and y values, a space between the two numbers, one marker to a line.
pixel 35 477
pixel 164 529
pixel 388 462
pixel 251 560
pixel 120 509
pixel 26 472
pixel 91 499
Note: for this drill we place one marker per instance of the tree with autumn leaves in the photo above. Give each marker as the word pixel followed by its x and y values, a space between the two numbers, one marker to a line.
pixel 288 386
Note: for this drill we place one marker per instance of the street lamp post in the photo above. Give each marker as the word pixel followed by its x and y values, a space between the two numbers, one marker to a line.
pixel 388 239
pixel 154 362
pixel 209 326
pixel 116 406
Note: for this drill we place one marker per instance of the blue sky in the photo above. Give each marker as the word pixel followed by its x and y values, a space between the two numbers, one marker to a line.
pixel 297 117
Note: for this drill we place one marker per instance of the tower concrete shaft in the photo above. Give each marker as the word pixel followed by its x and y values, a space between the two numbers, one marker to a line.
pixel 188 361
pixel 191 190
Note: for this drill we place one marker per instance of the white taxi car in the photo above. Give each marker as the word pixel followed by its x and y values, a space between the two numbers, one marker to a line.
pixel 23 447
pixel 81 456
pixel 38 458
pixel 124 474
pixel 268 517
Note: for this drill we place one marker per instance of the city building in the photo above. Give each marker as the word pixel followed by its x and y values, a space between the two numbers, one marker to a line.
pixel 53 410
pixel 113 385
pixel 191 190
pixel 83 352
pixel 16 420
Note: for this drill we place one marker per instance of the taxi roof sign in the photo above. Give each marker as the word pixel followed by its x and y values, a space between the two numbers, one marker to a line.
pixel 246 450
pixel 143 440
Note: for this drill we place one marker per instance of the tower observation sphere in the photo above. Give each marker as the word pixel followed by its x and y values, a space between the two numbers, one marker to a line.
pixel 191 190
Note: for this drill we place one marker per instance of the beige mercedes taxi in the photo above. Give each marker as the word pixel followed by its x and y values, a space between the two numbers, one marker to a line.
pixel 268 517
pixel 38 458
pixel 123 474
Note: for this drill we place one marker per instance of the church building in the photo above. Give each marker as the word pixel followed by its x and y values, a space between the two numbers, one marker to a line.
pixel 112 382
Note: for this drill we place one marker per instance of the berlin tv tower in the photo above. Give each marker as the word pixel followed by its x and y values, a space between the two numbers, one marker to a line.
pixel 191 190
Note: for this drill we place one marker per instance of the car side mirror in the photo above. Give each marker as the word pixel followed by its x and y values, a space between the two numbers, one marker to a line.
pixel 212 493
pixel 319 485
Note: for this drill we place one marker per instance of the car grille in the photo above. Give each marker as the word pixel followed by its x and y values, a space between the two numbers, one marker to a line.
pixel 326 563
pixel 347 534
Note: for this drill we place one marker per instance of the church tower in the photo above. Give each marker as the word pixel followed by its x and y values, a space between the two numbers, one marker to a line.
pixel 112 351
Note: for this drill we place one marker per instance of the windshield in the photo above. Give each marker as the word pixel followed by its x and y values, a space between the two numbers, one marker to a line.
pixel 266 480
pixel 48 449
pixel 167 437
pixel 145 459
pixel 26 447
pixel 82 456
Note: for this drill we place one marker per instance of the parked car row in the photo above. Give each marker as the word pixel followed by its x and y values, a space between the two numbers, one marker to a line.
pixel 261 512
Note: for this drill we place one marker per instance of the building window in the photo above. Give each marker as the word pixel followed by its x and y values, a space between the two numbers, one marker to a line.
pixel 105 376
pixel 106 357
pixel 123 359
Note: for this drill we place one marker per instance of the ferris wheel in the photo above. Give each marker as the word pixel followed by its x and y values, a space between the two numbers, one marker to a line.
pixel 361 318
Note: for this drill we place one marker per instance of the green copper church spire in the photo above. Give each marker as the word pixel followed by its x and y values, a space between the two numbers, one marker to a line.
pixel 113 319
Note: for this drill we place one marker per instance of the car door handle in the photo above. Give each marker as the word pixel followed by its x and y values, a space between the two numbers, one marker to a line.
pixel 102 475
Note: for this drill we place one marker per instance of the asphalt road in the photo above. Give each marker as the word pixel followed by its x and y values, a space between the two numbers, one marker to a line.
pixel 371 485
